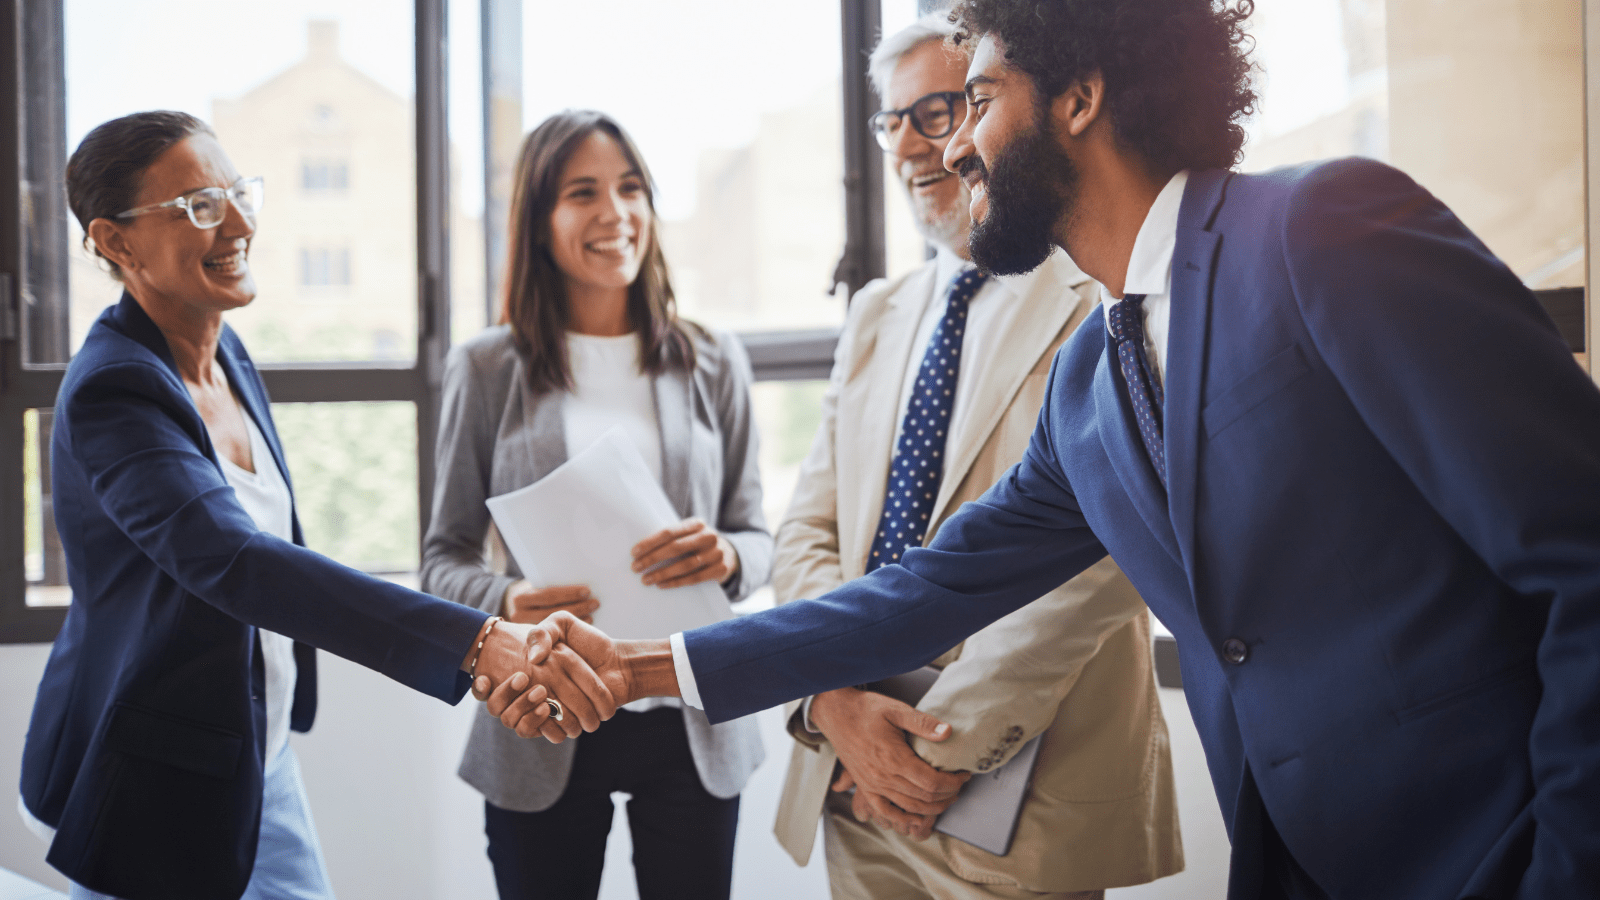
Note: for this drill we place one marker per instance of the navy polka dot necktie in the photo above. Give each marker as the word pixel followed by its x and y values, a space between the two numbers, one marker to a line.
pixel 1126 323
pixel 918 465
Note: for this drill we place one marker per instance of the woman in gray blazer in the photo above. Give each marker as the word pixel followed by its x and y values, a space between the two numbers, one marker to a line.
pixel 592 341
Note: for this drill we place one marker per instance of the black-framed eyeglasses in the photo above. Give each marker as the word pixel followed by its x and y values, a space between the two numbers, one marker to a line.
pixel 207 207
pixel 932 115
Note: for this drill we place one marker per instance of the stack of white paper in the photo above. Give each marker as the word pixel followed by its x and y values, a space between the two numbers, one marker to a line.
pixel 578 525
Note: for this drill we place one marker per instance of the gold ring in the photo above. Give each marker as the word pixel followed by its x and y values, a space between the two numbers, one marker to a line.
pixel 556 712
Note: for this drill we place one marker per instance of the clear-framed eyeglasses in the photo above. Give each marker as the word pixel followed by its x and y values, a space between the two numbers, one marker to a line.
pixel 932 115
pixel 207 207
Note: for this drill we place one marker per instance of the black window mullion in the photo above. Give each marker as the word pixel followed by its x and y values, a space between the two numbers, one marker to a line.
pixel 433 239
pixel 500 32
pixel 20 389
pixel 864 253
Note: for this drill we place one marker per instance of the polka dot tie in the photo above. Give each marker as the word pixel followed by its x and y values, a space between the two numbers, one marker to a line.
pixel 918 465
pixel 1126 323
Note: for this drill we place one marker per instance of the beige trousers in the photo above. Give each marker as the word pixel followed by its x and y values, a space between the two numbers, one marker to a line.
pixel 866 862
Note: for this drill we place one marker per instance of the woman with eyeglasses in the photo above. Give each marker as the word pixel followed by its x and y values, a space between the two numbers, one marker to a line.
pixel 157 762
pixel 590 340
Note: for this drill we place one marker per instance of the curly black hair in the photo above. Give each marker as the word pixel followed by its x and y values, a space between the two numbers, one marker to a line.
pixel 1177 72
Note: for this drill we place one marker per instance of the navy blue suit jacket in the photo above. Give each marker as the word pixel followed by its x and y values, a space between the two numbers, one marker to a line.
pixel 1380 552
pixel 145 746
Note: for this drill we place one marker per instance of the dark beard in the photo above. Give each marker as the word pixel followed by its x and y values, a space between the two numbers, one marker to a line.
pixel 1031 187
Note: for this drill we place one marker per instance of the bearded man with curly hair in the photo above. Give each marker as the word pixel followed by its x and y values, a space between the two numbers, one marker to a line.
pixel 1332 440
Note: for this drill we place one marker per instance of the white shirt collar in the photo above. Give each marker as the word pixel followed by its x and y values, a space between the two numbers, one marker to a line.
pixel 946 266
pixel 1150 264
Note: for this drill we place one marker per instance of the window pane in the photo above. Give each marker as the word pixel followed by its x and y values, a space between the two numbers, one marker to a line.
pixel 787 414
pixel 469 302
pixel 354 468
pixel 1485 111
pixel 905 248
pixel 737 112
pixel 43 565
pixel 897 14
pixel 318 99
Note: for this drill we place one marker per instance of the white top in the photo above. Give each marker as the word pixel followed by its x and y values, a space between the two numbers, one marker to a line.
pixel 975 339
pixel 1149 273
pixel 265 496
pixel 609 389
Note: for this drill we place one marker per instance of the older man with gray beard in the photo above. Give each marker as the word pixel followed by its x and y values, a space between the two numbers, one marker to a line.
pixel 936 387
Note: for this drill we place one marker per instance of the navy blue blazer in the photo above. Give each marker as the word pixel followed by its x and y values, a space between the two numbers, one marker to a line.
pixel 145 746
pixel 1380 552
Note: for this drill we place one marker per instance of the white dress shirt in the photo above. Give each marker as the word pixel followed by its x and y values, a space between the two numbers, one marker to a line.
pixel 1150 272
pixel 975 339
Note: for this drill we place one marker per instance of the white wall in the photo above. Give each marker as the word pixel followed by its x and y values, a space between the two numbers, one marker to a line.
pixel 20 851
pixel 396 822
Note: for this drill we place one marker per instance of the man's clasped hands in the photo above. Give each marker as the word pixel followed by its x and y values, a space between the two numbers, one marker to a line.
pixel 590 675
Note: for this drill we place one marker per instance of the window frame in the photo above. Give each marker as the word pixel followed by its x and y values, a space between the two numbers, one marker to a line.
pixel 33 29
pixel 783 355
pixel 23 387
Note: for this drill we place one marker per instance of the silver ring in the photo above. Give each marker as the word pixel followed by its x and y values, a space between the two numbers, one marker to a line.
pixel 556 712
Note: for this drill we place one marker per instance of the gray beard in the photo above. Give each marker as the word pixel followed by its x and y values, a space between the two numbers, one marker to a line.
pixel 947 228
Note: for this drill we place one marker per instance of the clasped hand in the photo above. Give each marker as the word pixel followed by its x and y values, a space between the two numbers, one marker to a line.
pixel 572 676
pixel 533 663
pixel 894 787
pixel 569 659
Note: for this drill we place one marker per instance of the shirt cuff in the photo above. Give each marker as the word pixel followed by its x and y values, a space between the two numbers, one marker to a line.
pixel 687 689
pixel 805 715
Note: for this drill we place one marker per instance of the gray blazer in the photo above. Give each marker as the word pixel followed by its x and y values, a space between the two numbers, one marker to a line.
pixel 495 436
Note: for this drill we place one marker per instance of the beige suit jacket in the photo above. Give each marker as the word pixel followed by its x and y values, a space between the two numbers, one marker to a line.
pixel 1074 665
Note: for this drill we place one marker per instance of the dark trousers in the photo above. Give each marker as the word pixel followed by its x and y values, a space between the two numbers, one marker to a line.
pixel 682 836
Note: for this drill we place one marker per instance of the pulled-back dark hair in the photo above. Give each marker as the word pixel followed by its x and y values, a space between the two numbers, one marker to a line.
pixel 1177 72
pixel 536 305
pixel 107 170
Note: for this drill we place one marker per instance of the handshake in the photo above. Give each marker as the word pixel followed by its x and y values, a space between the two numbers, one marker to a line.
pixel 562 676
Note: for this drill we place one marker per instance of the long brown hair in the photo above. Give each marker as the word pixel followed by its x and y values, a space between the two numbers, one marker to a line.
pixel 536 305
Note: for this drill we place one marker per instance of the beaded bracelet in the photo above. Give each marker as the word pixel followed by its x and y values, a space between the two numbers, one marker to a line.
pixel 473 669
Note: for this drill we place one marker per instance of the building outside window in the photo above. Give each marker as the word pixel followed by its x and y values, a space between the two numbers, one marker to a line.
pixel 324 267
pixel 322 176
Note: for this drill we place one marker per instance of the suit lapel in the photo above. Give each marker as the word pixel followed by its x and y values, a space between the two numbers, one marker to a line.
pixel 1125 448
pixel 544 433
pixel 674 392
pixel 241 375
pixel 1194 262
pixel 1025 327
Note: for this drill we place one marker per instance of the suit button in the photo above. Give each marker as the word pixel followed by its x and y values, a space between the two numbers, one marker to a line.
pixel 1235 651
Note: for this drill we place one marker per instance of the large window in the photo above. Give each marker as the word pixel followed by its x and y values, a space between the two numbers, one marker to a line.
pixel 387 131
pixel 1484 110
pixel 321 98
pixel 386 140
